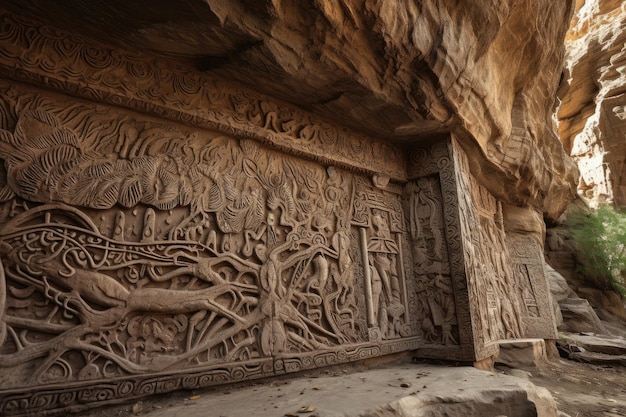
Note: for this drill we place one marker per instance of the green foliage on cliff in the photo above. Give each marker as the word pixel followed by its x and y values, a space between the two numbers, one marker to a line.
pixel 601 237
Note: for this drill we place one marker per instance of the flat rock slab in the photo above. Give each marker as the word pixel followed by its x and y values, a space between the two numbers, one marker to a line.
pixel 595 343
pixel 399 390
pixel 598 358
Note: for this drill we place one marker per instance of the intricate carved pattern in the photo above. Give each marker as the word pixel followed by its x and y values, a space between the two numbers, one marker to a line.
pixel 531 286
pixel 437 309
pixel 432 207
pixel 131 249
pixel 378 216
pixel 43 55
pixel 490 276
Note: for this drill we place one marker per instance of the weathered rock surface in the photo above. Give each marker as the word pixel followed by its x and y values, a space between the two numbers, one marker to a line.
pixel 578 316
pixel 599 344
pixel 396 391
pixel 523 353
pixel 580 307
pixel 572 313
pixel 558 285
pixel 594 349
pixel 486 71
pixel 592 116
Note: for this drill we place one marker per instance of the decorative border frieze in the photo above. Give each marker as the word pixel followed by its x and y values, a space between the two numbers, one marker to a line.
pixel 45 56
pixel 80 396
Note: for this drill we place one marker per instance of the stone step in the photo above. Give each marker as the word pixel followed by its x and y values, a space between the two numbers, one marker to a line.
pixel 523 353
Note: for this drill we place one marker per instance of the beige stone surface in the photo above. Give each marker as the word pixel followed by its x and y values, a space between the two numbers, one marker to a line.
pixel 395 391
pixel 578 316
pixel 592 116
pixel 523 353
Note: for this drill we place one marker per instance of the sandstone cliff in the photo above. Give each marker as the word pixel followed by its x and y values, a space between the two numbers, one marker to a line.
pixel 592 116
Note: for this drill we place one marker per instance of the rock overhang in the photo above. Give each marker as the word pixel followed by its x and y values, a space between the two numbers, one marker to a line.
pixel 397 71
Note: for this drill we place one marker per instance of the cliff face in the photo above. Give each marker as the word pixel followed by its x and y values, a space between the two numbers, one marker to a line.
pixel 592 116
pixel 396 70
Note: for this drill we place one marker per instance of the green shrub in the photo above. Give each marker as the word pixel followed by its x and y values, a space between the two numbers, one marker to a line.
pixel 601 237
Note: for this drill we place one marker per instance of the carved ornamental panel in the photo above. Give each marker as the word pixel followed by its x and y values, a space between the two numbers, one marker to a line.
pixel 531 286
pixel 141 257
pixel 470 291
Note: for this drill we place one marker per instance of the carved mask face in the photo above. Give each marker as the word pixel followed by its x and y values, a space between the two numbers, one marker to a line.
pixel 261 252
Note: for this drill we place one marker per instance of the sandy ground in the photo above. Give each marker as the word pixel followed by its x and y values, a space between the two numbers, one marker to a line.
pixel 582 390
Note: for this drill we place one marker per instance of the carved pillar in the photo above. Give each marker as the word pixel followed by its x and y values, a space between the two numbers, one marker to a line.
pixel 525 234
pixel 433 199
pixel 462 252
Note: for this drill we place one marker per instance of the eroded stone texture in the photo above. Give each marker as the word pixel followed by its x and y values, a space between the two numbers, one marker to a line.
pixel 592 115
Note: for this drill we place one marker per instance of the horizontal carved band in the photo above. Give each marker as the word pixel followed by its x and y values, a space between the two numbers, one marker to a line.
pixel 62 61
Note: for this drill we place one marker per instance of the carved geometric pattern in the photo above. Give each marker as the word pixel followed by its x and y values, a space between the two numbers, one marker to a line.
pixel 531 284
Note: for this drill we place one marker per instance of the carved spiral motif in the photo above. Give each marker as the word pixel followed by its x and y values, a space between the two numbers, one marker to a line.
pixel 147 388
pixel 125 388
pixel 67 398
pixel 167 385
pixel 206 380
pixel 190 381
pixel 41 400
pixel 238 374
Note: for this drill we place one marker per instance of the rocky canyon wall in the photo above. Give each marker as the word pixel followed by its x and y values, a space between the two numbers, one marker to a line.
pixel 592 115
pixel 247 189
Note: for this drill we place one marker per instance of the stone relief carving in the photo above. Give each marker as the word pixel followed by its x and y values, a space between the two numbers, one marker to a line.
pixel 488 263
pixel 531 286
pixel 38 54
pixel 432 209
pixel 379 220
pixel 130 248
pixel 439 322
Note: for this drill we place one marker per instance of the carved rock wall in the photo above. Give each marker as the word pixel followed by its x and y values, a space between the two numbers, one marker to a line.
pixel 134 249
pixel 141 257
pixel 162 227
pixel 592 115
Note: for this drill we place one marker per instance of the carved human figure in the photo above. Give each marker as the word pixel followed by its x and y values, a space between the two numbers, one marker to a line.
pixel 345 275
pixel 387 303
pixel 425 213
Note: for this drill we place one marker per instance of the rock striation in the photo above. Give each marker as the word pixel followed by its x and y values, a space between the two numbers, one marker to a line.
pixel 592 114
